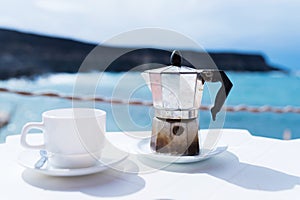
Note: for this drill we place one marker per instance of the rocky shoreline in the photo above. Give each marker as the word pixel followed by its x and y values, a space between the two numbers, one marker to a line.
pixel 24 54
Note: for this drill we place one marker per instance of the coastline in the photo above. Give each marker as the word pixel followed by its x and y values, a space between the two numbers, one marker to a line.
pixel 25 54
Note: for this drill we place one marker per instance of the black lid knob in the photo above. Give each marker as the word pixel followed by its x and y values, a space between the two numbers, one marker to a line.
pixel 176 58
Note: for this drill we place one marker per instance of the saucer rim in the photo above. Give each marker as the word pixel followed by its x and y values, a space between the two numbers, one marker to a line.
pixel 65 172
pixel 177 159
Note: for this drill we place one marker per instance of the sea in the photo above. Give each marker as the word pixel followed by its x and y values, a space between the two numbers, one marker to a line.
pixel 275 89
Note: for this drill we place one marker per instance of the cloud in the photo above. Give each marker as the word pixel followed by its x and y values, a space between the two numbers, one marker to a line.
pixel 258 25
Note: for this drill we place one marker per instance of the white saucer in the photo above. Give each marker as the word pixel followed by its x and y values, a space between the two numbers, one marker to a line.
pixel 145 150
pixel 29 158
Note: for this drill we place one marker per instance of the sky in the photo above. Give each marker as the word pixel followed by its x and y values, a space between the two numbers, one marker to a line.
pixel 270 27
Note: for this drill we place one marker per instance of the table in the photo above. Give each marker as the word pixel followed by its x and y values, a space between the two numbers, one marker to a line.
pixel 251 168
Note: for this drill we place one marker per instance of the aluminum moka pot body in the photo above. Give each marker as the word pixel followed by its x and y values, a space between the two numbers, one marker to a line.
pixel 177 93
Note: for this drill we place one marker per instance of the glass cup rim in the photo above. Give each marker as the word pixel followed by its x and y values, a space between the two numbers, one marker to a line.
pixel 72 113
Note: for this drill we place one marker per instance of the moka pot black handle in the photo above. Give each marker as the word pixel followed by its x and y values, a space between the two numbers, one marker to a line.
pixel 226 85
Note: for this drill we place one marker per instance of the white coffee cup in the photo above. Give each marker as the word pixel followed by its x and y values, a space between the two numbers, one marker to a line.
pixel 73 137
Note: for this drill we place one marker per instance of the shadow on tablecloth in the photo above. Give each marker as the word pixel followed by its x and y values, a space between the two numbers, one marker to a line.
pixel 110 183
pixel 227 166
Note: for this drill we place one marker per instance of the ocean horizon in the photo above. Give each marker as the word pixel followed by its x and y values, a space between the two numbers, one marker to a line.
pixel 275 89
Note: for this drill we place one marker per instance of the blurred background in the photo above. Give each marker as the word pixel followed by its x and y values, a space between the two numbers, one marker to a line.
pixel 44 42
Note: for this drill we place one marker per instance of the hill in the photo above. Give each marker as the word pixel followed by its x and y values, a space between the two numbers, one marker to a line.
pixel 24 54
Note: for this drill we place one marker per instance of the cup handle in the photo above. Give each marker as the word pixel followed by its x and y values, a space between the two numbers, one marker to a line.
pixel 25 130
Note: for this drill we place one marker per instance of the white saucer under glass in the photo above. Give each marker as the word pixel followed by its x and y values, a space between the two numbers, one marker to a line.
pixel 145 150
pixel 29 158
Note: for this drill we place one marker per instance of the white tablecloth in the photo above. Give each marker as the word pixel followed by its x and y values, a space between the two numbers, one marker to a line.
pixel 251 168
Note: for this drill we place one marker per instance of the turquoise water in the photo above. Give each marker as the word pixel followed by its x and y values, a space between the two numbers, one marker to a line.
pixel 253 89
